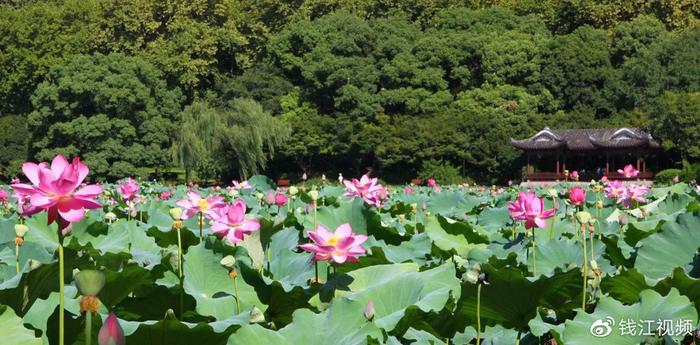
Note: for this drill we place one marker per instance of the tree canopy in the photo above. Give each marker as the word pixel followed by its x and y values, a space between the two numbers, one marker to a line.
pixel 332 86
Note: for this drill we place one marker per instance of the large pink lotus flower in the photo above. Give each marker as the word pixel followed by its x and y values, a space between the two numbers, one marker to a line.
pixel 111 332
pixel 634 193
pixel 577 196
pixel 57 189
pixel 341 246
pixel 195 204
pixel 530 208
pixel 230 222
pixel 629 171
pixel 280 199
pixel 615 190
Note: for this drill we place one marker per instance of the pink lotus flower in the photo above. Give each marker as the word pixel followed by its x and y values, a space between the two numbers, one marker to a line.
pixel 111 332
pixel 55 188
pixel 574 175
pixel 165 195
pixel 629 171
pixel 368 189
pixel 369 310
pixel 14 180
pixel 407 190
pixel 676 179
pixel 304 177
pixel 530 208
pixel 128 189
pixel 195 204
pixel 341 246
pixel 270 197
pixel 510 183
pixel 615 190
pixel 3 196
pixel 604 179
pixel 242 185
pixel 230 221
pixel 280 199
pixel 432 182
pixel 577 196
pixel 635 193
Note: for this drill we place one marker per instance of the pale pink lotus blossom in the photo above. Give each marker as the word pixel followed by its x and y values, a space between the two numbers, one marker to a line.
pixel 628 171
pixel 510 183
pixel 635 192
pixel 367 189
pixel 530 208
pixel 407 190
pixel 242 185
pixel 165 195
pixel 340 246
pixel 574 175
pixel 676 179
pixel 195 204
pixel 3 196
pixel 129 189
pixel 615 190
pixel 57 189
pixel 230 222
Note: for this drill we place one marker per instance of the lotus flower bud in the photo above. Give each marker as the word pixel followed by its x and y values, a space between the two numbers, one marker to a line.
pixel 256 315
pixel 21 230
pixel 110 216
pixel 176 213
pixel 111 332
pixel 598 204
pixel 90 282
pixel 313 195
pixel 583 217
pixel 369 310
pixel 228 261
pixel 293 190
pixel 623 218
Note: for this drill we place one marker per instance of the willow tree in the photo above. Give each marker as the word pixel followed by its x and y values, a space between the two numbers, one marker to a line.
pixel 240 136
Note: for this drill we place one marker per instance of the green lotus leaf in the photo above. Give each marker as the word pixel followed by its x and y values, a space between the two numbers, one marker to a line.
pixel 622 319
pixel 12 331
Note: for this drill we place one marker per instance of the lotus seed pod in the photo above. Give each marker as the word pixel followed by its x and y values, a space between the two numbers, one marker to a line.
pixel 90 282
pixel 583 217
pixel 21 230
pixel 259 195
pixel 293 190
pixel 256 315
pixel 313 195
pixel 110 216
pixel 552 193
pixel 233 193
pixel 472 276
pixel 228 261
pixel 598 204
pixel 176 213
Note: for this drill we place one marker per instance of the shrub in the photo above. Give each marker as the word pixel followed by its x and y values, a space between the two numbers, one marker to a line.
pixel 442 171
pixel 666 176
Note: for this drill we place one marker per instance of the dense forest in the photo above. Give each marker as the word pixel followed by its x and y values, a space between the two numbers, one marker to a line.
pixel 227 88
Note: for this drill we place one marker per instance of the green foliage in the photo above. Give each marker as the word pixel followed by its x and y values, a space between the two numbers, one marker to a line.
pixel 13 143
pixel 443 172
pixel 237 137
pixel 677 124
pixel 114 111
pixel 666 176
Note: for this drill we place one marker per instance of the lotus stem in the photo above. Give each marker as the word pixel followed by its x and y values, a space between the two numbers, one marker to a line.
pixel 551 225
pixel 88 327
pixel 478 314
pixel 534 254
pixel 61 298
pixel 235 290
pixel 514 225
pixel 585 267
pixel 17 256
pixel 179 268
pixel 201 224
pixel 517 339
pixel 592 239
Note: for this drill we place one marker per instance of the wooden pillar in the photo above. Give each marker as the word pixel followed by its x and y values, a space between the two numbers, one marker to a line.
pixel 638 162
pixel 557 164
pixel 644 166
pixel 607 163
pixel 527 170
pixel 564 163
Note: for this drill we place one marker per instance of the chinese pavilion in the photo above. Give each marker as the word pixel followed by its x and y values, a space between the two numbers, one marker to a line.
pixel 593 153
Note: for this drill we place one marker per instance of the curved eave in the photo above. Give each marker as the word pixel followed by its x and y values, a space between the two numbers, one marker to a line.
pixel 537 146
pixel 622 144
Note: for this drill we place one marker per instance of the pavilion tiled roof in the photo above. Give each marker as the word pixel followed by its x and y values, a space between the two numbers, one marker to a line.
pixel 587 139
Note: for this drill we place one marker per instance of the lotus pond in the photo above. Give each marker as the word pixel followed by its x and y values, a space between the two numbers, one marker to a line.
pixel 315 265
